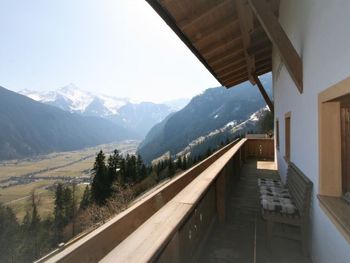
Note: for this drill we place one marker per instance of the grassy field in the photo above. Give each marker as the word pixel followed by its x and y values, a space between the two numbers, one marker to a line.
pixel 72 164
pixel 50 161
pixel 74 170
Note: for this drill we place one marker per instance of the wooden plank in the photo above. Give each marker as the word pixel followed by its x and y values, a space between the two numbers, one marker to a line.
pixel 211 31
pixel 220 187
pixel 225 58
pixel 280 40
pixel 264 94
pixel 145 243
pixel 345 147
pixel 220 44
pixel 149 239
pixel 232 71
pixel 259 47
pixel 235 82
pixel 212 7
pixel 231 64
pixel 245 18
pixel 241 74
pixel 172 252
pixel 264 70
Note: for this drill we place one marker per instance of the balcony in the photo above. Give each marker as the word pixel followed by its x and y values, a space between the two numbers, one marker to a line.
pixel 208 214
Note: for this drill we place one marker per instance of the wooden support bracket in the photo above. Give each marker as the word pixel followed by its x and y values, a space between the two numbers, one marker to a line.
pixel 264 94
pixel 280 40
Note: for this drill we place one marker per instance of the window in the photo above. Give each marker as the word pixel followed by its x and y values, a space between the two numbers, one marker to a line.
pixel 287 136
pixel 334 154
pixel 334 126
pixel 345 144
pixel 277 135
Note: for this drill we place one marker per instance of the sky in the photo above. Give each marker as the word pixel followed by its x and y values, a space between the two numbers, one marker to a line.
pixel 113 47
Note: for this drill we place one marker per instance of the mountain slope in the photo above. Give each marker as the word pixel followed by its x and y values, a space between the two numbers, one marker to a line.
pixel 206 112
pixel 141 117
pixel 30 128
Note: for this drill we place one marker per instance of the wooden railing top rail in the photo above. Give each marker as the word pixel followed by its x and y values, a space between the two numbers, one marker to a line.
pixel 145 243
pixel 93 246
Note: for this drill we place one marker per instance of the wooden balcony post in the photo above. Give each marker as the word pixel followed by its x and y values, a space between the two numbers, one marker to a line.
pixel 172 251
pixel 221 197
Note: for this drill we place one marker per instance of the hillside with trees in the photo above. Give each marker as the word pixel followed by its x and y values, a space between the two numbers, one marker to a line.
pixel 117 180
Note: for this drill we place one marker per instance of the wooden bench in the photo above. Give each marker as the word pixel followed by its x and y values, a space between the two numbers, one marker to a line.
pixel 300 188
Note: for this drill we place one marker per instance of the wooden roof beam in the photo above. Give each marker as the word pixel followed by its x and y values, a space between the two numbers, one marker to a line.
pixel 236 75
pixel 183 24
pixel 215 29
pixel 236 82
pixel 259 47
pixel 280 40
pixel 206 51
pixel 262 70
pixel 245 17
pixel 228 73
pixel 225 57
pixel 231 66
pixel 264 93
pixel 264 54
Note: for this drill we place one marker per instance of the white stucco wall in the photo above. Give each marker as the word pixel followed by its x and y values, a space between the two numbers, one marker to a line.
pixel 320 32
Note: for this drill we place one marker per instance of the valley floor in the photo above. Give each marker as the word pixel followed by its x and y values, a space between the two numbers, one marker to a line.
pixel 19 178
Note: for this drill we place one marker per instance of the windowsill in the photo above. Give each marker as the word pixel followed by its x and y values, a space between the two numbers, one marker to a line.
pixel 338 210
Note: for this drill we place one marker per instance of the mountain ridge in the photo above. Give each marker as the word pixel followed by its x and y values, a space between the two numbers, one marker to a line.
pixel 30 128
pixel 122 111
pixel 208 111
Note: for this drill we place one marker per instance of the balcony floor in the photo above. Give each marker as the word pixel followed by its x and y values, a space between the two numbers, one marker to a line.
pixel 242 238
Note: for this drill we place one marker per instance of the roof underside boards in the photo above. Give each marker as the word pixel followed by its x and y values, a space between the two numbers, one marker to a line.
pixel 224 34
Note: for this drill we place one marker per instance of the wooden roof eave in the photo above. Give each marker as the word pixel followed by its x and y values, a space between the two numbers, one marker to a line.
pixel 172 24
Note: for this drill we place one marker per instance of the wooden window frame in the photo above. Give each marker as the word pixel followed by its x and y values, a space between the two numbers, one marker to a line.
pixel 277 134
pixel 287 136
pixel 330 156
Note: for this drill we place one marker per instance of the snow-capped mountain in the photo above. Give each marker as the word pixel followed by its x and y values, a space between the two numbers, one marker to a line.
pixel 73 99
pixel 138 117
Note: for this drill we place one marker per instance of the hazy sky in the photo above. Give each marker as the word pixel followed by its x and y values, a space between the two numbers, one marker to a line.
pixel 116 47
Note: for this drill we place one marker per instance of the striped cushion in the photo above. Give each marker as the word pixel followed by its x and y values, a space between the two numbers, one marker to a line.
pixel 269 182
pixel 274 191
pixel 274 197
pixel 278 204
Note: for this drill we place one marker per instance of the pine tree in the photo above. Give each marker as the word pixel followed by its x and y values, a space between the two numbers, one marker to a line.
pixel 67 204
pixel 122 172
pixel 59 217
pixel 34 227
pixel 100 187
pixel 133 169
pixel 171 167
pixel 179 163
pixel 85 201
pixel 113 166
pixel 9 235
pixel 184 163
pixel 139 164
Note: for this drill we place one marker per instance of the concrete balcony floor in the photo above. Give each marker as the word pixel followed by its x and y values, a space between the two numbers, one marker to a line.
pixel 242 238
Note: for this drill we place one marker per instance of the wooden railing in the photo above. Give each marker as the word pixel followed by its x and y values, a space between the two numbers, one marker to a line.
pixel 95 245
pixel 262 148
pixel 169 224
pixel 175 231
